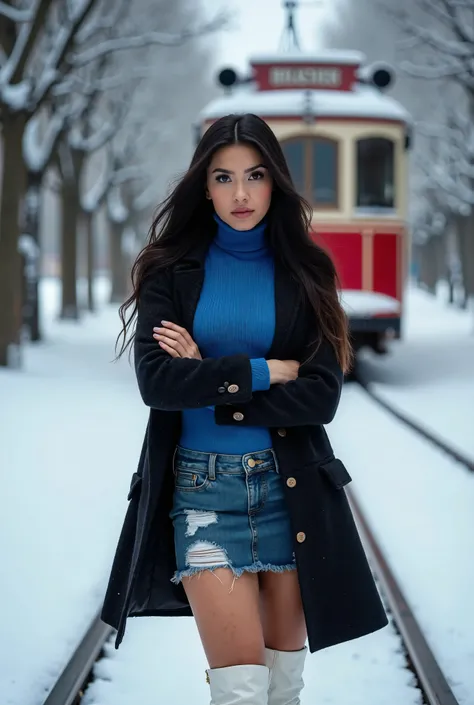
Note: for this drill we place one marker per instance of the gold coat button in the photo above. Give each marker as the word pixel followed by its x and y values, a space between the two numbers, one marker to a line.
pixel 282 432
pixel 291 482
pixel 233 388
pixel 238 416
pixel 300 536
pixel 251 462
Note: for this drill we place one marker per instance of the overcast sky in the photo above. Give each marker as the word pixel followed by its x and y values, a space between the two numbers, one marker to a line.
pixel 257 27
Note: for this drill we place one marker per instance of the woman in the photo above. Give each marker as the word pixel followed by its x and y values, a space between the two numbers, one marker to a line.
pixel 237 514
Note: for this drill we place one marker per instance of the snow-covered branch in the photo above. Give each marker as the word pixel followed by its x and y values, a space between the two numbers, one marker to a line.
pixel 95 141
pixel 93 28
pixel 15 14
pixel 61 47
pixel 432 38
pixel 75 83
pixel 28 34
pixel 140 41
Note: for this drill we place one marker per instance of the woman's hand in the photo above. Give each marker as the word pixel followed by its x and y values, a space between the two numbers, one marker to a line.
pixel 282 371
pixel 176 341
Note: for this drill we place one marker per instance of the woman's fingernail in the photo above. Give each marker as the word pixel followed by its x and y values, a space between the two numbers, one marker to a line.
pixel 165 322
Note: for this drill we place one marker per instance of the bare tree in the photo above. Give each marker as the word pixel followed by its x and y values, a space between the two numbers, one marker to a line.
pixel 33 67
pixel 444 50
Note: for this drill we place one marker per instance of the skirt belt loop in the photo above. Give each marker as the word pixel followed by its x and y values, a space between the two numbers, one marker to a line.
pixel 212 466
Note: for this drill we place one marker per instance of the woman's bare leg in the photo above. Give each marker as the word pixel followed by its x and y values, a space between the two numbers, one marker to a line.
pixel 227 615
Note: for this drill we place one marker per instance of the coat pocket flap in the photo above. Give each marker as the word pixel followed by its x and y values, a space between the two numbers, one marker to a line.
pixel 136 480
pixel 336 473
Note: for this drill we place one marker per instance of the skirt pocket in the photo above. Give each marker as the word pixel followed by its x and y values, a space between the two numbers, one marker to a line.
pixel 189 479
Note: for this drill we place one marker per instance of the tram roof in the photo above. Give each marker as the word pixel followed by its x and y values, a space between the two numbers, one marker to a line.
pixel 328 56
pixel 363 101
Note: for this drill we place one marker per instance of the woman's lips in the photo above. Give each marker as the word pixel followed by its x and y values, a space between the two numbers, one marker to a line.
pixel 242 214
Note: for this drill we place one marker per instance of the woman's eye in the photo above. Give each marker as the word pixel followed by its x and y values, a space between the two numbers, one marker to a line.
pixel 221 177
pixel 257 174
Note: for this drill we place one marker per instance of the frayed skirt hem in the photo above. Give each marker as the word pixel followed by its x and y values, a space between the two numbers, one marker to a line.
pixel 254 568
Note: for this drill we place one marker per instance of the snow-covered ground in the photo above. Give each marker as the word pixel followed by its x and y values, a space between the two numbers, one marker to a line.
pixel 429 374
pixel 70 437
pixel 71 426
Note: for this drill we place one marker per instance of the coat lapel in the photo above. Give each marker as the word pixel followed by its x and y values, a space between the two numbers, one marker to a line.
pixel 189 279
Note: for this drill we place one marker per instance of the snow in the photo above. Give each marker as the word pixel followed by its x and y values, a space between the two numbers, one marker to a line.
pixel 71 433
pixel 117 209
pixel 420 505
pixel 16 95
pixel 429 374
pixel 362 101
pixel 367 303
pixel 14 14
pixel 70 436
pixel 149 666
pixel 334 56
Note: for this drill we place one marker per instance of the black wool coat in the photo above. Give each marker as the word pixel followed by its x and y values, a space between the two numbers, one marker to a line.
pixel 339 596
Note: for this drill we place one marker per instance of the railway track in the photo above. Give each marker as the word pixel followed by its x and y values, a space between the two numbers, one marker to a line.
pixel 433 685
pixel 71 684
pixel 420 658
pixel 414 425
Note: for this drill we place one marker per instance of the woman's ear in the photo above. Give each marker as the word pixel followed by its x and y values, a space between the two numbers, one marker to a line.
pixel 208 195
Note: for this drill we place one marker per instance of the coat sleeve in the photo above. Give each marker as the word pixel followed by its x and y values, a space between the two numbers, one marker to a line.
pixel 311 399
pixel 174 384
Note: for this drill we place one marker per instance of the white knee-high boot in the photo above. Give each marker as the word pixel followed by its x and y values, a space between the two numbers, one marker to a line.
pixel 286 675
pixel 245 684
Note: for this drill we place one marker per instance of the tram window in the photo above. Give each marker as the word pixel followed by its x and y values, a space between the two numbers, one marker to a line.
pixel 294 155
pixel 375 173
pixel 313 166
pixel 324 173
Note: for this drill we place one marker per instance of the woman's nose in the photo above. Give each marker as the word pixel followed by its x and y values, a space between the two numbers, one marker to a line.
pixel 240 193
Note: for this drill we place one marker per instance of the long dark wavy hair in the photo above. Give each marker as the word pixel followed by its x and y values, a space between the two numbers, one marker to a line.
pixel 185 218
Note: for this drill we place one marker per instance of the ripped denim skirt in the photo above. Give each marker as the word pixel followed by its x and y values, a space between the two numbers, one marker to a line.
pixel 229 511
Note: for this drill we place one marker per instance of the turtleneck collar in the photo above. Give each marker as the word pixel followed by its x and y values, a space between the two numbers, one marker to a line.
pixel 244 244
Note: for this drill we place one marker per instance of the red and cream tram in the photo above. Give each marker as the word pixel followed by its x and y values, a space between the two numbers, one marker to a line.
pixel 346 143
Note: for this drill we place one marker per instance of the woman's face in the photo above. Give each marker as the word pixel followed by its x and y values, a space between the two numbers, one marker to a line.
pixel 239 185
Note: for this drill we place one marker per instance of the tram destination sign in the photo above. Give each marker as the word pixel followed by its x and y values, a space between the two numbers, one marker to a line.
pixel 280 76
pixel 304 77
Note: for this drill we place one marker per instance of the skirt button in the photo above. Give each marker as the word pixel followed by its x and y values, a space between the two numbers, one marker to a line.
pixel 233 388
pixel 251 462
pixel 238 416
pixel 282 432
pixel 300 536
pixel 291 482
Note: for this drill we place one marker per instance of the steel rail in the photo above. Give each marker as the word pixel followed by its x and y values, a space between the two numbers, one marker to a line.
pixel 416 426
pixel 67 689
pixel 430 676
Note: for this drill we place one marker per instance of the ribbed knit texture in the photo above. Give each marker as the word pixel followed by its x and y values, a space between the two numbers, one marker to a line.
pixel 235 314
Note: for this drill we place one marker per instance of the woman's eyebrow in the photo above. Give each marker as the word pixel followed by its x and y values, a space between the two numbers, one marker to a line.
pixel 246 171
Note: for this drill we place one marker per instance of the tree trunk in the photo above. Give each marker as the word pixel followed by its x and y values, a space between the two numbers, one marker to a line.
pixel 69 221
pixel 88 219
pixel 429 265
pixel 465 232
pixel 13 189
pixel 118 292
pixel 32 217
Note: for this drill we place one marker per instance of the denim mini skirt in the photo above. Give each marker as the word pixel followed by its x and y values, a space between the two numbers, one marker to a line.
pixel 229 511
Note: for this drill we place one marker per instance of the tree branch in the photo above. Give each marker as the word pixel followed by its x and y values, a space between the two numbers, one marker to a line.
pixel 14 68
pixel 15 14
pixel 61 48
pixel 142 40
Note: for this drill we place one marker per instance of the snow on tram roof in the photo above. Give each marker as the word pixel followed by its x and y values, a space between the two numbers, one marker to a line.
pixel 329 56
pixel 362 102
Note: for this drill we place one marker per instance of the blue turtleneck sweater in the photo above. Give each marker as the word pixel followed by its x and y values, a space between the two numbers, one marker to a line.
pixel 235 314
